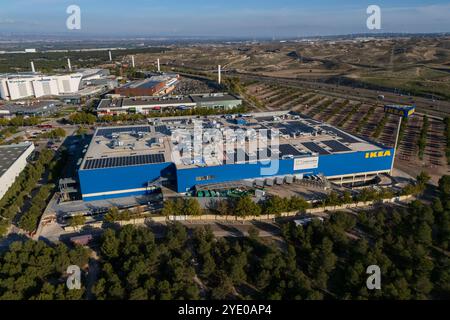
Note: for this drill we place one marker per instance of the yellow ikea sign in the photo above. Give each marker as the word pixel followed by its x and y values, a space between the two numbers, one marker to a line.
pixel 378 154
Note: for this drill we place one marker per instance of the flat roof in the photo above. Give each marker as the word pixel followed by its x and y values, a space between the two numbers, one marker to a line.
pixel 124 103
pixel 212 97
pixel 149 82
pixel 35 107
pixel 130 102
pixel 169 139
pixel 141 84
pixel 9 155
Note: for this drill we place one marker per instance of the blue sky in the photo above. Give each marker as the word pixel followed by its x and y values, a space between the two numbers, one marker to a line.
pixel 242 18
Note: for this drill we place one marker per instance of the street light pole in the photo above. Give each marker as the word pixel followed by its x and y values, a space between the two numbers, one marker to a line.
pixel 396 143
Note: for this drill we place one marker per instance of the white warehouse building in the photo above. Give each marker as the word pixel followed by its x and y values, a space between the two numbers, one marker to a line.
pixel 35 85
pixel 13 159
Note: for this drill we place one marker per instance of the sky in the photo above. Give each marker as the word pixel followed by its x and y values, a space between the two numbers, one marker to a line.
pixel 218 18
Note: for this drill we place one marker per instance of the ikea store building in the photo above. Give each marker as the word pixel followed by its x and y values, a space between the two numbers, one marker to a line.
pixel 137 160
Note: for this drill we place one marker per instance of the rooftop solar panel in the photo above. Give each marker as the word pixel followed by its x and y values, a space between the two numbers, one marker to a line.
pixel 336 146
pixel 164 130
pixel 262 119
pixel 297 127
pixel 287 149
pixel 124 161
pixel 285 132
pixel 315 148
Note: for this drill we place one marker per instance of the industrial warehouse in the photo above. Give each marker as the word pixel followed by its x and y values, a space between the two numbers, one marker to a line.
pixel 138 160
pixel 156 85
pixel 145 105
pixel 13 159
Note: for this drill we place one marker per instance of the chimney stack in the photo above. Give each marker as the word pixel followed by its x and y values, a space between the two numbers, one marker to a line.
pixel 69 65
pixel 132 61
pixel 219 72
pixel 32 67
pixel 110 55
pixel 159 67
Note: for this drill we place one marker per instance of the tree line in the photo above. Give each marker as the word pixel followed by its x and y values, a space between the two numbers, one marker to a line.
pixel 14 198
pixel 20 121
pixel 23 187
pixel 90 118
pixel 30 218
pixel 241 207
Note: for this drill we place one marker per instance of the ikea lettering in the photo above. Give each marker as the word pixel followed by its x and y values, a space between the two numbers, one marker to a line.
pixel 378 154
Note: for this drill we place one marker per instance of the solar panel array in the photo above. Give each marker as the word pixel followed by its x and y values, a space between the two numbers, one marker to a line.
pixel 287 149
pixel 109 131
pixel 344 137
pixel 123 161
pixel 315 148
pixel 261 155
pixel 263 119
pixel 164 130
pixel 297 127
pixel 336 146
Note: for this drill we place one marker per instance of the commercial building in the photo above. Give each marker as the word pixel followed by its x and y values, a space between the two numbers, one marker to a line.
pixel 136 160
pixel 13 159
pixel 147 105
pixel 32 108
pixel 35 85
pixel 156 85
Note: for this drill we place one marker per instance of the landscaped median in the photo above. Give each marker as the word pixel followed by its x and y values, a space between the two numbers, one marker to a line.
pixel 262 217
pixel 211 217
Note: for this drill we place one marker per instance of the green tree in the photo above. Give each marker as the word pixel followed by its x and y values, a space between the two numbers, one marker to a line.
pixel 245 207
pixel 224 287
pixel 192 207
pixel 77 221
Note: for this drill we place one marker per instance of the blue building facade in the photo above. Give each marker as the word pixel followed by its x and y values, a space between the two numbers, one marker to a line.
pixel 107 183
pixel 329 165
pixel 118 182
